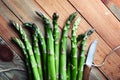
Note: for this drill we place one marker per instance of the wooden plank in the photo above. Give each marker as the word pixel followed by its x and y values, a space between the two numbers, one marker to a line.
pixel 102 19
pixel 113 6
pixel 60 7
pixel 6 31
pixel 95 75
pixel 27 14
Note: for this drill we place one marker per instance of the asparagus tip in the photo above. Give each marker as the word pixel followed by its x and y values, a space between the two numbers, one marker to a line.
pixel 89 32
pixel 27 24
pixel 55 16
pixel 13 39
pixel 11 22
pixel 39 14
pixel 72 16
pixel 80 37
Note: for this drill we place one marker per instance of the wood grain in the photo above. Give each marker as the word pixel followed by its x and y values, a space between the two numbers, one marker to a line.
pixel 24 10
pixel 106 25
pixel 6 32
pixel 101 21
pixel 113 6
pixel 103 48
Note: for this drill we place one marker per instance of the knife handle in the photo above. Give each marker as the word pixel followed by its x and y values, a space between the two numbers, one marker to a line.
pixel 86 73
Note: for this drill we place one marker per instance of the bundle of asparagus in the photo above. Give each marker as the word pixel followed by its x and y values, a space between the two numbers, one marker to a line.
pixel 46 58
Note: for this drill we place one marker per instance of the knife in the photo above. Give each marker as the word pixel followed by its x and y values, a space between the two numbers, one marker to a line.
pixel 114 7
pixel 89 60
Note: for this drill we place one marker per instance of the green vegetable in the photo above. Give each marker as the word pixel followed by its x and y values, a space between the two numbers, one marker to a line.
pixel 29 49
pixel 42 46
pixel 63 47
pixel 36 50
pixel 68 69
pixel 56 36
pixel 27 61
pixel 74 50
pixel 50 47
pixel 82 57
pixel 80 37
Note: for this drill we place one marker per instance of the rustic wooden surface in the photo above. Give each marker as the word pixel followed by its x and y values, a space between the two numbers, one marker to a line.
pixel 95 15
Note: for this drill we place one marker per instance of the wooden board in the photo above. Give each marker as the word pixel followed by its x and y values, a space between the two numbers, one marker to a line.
pixel 26 12
pixel 113 6
pixel 106 25
pixel 5 30
pixel 23 11
pixel 83 27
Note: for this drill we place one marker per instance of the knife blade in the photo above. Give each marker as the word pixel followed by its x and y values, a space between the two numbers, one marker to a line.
pixel 89 60
pixel 91 53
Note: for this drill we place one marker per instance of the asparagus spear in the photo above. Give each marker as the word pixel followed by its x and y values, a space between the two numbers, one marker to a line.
pixel 68 68
pixel 74 50
pixel 80 37
pixel 35 47
pixel 56 36
pixel 50 47
pixel 27 61
pixel 29 49
pixel 82 57
pixel 42 46
pixel 63 47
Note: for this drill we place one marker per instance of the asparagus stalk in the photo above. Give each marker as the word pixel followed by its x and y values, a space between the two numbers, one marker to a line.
pixel 80 37
pixel 74 50
pixel 27 61
pixel 68 68
pixel 82 57
pixel 50 47
pixel 63 47
pixel 42 46
pixel 29 49
pixel 56 36
pixel 35 47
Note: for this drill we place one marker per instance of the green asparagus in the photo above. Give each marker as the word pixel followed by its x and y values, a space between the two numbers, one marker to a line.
pixel 36 50
pixel 27 61
pixel 29 49
pixel 68 68
pixel 56 36
pixel 74 50
pixel 80 37
pixel 82 57
pixel 42 46
pixel 50 47
pixel 63 47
